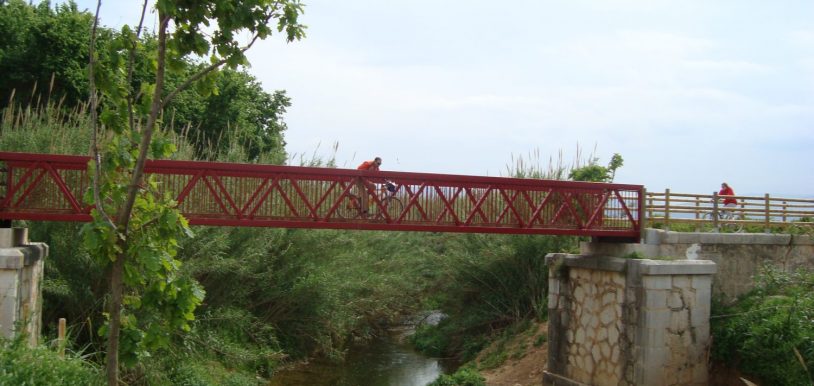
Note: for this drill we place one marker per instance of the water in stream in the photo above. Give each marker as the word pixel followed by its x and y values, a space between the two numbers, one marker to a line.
pixel 385 361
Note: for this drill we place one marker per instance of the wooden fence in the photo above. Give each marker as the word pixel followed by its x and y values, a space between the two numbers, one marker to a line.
pixel 764 212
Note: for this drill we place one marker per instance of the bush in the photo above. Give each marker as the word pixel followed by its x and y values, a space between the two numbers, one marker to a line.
pixel 21 365
pixel 463 377
pixel 769 333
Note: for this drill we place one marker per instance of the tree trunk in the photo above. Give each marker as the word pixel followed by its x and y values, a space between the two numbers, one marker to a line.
pixel 114 326
pixel 123 219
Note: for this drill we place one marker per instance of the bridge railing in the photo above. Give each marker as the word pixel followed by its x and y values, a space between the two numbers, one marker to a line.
pixel 764 211
pixel 51 187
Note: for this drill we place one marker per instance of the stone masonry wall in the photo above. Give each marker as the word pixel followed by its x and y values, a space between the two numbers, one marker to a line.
pixel 594 348
pixel 615 321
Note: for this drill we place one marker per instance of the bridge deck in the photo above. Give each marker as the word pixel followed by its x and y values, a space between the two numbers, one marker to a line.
pixel 51 187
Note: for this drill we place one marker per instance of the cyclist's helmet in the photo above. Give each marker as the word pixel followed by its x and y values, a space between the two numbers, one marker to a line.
pixel 391 187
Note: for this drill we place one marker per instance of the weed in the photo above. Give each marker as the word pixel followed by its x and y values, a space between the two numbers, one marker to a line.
pixel 494 358
pixel 634 255
pixel 540 340
pixel 465 376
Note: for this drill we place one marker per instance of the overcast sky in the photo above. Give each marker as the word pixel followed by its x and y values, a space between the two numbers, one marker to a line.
pixel 690 92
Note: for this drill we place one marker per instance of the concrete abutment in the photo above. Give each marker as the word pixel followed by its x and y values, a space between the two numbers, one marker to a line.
pixel 638 313
pixel 21 273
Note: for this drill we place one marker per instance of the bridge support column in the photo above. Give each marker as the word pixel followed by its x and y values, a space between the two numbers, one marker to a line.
pixel 21 272
pixel 620 321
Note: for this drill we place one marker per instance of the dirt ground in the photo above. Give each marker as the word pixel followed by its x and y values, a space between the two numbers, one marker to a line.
pixel 527 370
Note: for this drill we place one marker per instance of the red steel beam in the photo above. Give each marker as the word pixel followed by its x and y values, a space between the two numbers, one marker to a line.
pixel 50 187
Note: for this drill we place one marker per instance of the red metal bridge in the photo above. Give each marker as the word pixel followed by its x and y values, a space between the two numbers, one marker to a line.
pixel 50 188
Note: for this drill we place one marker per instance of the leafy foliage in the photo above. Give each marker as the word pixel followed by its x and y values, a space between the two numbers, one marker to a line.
pixel 240 109
pixel 597 173
pixel 770 332
pixel 159 299
pixel 44 50
pixel 22 365
pixel 465 376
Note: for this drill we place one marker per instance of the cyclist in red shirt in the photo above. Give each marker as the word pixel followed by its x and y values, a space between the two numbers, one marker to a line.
pixel 727 193
pixel 363 186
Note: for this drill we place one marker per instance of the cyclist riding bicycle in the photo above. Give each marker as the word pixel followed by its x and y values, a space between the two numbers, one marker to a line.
pixel 728 193
pixel 363 186
pixel 729 216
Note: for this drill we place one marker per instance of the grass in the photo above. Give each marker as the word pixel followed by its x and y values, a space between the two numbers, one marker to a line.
pixel 23 365
pixel 540 340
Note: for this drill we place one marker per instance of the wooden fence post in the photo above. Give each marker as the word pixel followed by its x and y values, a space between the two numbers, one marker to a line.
pixel 767 219
pixel 715 211
pixel 667 209
pixel 698 225
pixel 785 208
pixel 61 338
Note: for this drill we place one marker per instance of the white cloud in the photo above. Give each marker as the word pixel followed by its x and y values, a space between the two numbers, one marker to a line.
pixel 689 92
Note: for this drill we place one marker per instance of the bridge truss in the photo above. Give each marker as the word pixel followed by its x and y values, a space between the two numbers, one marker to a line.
pixel 51 187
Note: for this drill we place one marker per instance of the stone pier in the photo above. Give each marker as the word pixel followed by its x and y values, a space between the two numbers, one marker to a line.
pixel 619 321
pixel 21 272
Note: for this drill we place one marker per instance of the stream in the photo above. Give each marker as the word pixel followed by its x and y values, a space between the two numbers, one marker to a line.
pixel 388 360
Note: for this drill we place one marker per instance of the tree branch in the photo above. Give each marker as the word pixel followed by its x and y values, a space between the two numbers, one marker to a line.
pixel 205 71
pixel 123 219
pixel 130 65
pixel 94 102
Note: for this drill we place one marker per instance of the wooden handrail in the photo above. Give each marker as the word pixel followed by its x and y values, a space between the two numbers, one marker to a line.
pixel 669 207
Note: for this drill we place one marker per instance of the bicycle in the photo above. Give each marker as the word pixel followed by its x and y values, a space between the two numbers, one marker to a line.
pixel 728 219
pixel 350 206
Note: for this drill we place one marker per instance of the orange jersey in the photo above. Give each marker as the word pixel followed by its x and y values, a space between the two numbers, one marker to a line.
pixel 368 165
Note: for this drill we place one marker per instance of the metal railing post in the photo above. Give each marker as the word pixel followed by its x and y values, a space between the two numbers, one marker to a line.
pixel 642 216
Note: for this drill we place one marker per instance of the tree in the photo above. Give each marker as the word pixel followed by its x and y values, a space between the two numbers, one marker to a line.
pixel 134 228
pixel 241 106
pixel 44 47
pixel 597 173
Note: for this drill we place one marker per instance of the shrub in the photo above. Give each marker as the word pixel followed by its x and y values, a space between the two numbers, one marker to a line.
pixel 769 332
pixel 21 365
pixel 463 377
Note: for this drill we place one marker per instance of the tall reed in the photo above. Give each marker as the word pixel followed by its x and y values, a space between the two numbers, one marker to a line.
pixel 533 165
pixel 45 128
